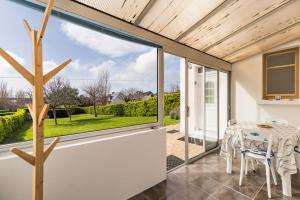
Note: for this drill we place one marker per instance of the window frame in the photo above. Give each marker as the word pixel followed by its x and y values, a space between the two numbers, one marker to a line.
pixel 291 96
pixel 210 98
pixel 95 26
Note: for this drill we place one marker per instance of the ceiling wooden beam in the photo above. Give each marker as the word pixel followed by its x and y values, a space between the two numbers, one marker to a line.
pixel 169 46
pixel 249 25
pixel 204 19
pixel 144 12
pixel 275 35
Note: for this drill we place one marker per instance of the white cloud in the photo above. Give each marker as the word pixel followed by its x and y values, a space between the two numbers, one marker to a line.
pixel 6 69
pixel 76 65
pixel 101 43
pixel 49 65
pixel 141 73
pixel 13 78
pixel 145 63
pixel 105 65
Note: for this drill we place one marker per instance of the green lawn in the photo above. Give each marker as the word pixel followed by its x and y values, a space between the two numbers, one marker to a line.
pixel 169 121
pixel 84 123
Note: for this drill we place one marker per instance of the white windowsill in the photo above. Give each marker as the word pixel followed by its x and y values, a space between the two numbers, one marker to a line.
pixel 79 137
pixel 279 102
pixel 5 154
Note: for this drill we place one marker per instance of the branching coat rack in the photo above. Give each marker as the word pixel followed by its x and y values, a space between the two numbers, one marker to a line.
pixel 38 109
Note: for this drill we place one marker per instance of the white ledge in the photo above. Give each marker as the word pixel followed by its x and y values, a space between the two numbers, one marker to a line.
pixel 279 102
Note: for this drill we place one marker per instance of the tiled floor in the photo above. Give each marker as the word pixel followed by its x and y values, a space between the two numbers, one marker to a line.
pixel 206 179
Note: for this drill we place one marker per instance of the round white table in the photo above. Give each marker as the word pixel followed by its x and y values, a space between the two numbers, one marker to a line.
pixel 284 139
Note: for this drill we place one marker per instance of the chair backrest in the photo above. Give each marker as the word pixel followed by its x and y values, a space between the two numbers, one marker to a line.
pixel 255 141
pixel 231 122
pixel 277 121
pixel 297 147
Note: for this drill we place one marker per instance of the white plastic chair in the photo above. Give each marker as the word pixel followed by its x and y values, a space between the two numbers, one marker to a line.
pixel 277 121
pixel 248 153
pixel 297 150
pixel 231 123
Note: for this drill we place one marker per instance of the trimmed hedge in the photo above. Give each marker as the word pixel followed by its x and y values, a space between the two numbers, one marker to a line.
pixel 137 108
pixel 171 101
pixel 175 113
pixel 10 123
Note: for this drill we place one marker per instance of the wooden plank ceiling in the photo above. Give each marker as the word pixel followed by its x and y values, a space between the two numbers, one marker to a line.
pixel 228 29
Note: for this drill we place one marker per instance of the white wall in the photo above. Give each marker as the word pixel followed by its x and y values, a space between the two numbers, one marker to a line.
pixel 111 168
pixel 246 87
pixel 223 103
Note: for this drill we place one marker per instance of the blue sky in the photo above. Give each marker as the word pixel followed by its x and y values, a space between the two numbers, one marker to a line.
pixel 130 65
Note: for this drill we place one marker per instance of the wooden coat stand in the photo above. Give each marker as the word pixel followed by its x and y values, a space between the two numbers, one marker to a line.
pixel 38 109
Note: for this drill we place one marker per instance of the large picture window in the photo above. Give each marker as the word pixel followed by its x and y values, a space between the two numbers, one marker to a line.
pixel 111 82
pixel 281 74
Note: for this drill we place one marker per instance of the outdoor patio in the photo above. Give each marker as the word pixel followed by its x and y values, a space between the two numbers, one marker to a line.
pixel 176 147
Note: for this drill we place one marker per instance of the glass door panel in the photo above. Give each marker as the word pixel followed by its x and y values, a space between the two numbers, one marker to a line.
pixel 211 107
pixel 196 110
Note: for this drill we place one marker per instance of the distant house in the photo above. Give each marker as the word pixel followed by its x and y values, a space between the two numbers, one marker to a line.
pixel 147 95
pixel 114 97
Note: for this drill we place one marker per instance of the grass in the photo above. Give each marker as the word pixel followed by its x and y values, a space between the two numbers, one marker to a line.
pixel 84 123
pixel 168 121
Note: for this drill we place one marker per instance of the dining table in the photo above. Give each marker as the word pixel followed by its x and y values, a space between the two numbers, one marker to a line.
pixel 285 138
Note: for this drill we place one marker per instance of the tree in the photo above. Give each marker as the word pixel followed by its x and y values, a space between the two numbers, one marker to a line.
pixel 131 94
pixel 174 87
pixel 69 98
pixel 4 96
pixel 20 99
pixel 29 94
pixel 84 101
pixel 54 94
pixel 98 91
pixel 104 86
pixel 93 92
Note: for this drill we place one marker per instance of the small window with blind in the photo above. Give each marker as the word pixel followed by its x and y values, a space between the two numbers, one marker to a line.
pixel 281 74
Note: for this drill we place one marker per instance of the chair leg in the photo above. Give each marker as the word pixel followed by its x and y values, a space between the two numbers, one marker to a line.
pixel 268 179
pixel 273 173
pixel 246 167
pixel 234 153
pixel 242 169
pixel 252 163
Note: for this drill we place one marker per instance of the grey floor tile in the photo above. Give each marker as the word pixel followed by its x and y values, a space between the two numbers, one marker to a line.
pixel 252 183
pixel 226 193
pixel 276 193
pixel 207 184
